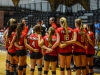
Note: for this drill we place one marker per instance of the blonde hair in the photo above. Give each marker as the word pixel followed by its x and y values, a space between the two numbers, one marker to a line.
pixel 65 25
pixel 12 21
pixel 79 22
pixel 51 32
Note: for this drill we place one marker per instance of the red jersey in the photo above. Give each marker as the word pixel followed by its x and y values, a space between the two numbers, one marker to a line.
pixel 26 29
pixel 54 52
pixel 90 49
pixel 21 41
pixel 81 40
pixel 33 42
pixel 54 25
pixel 63 37
pixel 12 50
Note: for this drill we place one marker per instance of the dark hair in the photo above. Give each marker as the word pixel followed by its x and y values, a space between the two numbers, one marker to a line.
pixel 91 26
pixel 11 29
pixel 39 21
pixel 19 31
pixel 37 28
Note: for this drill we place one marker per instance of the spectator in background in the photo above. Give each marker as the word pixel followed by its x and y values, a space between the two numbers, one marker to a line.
pixel 44 28
pixel 30 30
pixel 97 33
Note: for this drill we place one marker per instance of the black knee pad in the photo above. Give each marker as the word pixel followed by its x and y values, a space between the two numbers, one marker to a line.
pixel 90 67
pixel 67 69
pixel 78 67
pixel 12 65
pixel 62 69
pixel 7 61
pixel 40 69
pixel 32 70
pixel 53 72
pixel 45 72
pixel 25 66
pixel 20 68
pixel 83 67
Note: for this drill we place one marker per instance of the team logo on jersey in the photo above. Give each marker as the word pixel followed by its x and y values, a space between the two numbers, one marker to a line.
pixel 53 39
pixel 33 38
pixel 63 31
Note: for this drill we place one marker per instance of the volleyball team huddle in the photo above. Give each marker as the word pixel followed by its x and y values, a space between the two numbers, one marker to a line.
pixel 61 43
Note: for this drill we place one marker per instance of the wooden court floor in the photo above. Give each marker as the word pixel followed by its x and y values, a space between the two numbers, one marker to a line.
pixel 2 65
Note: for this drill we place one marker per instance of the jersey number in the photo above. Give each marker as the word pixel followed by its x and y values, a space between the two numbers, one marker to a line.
pixel 33 44
pixel 66 37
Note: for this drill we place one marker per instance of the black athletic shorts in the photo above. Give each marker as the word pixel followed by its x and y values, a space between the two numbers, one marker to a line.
pixel 21 52
pixel 79 53
pixel 90 55
pixel 66 54
pixel 12 54
pixel 35 55
pixel 50 58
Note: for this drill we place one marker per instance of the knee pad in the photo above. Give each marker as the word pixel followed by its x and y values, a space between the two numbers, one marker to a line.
pixel 90 67
pixel 20 68
pixel 45 72
pixel 67 69
pixel 53 72
pixel 25 66
pixel 12 65
pixel 32 70
pixel 83 67
pixel 78 67
pixel 39 69
pixel 7 61
pixel 61 69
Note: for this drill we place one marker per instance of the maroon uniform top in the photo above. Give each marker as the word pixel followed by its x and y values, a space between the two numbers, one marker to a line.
pixel 21 41
pixel 63 37
pixel 54 52
pixel 81 40
pixel 90 49
pixel 12 49
pixel 33 42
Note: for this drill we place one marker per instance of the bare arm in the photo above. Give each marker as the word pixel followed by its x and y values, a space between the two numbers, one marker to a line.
pixel 12 42
pixel 57 42
pixel 40 41
pixel 16 45
pixel 28 46
pixel 62 45
pixel 79 44
pixel 90 41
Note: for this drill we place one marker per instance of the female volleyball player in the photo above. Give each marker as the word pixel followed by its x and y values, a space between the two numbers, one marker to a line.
pixel 35 56
pixel 65 48
pixel 49 43
pixel 90 51
pixel 80 48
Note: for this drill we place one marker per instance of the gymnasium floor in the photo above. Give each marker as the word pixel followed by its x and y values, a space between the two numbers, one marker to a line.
pixel 2 65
